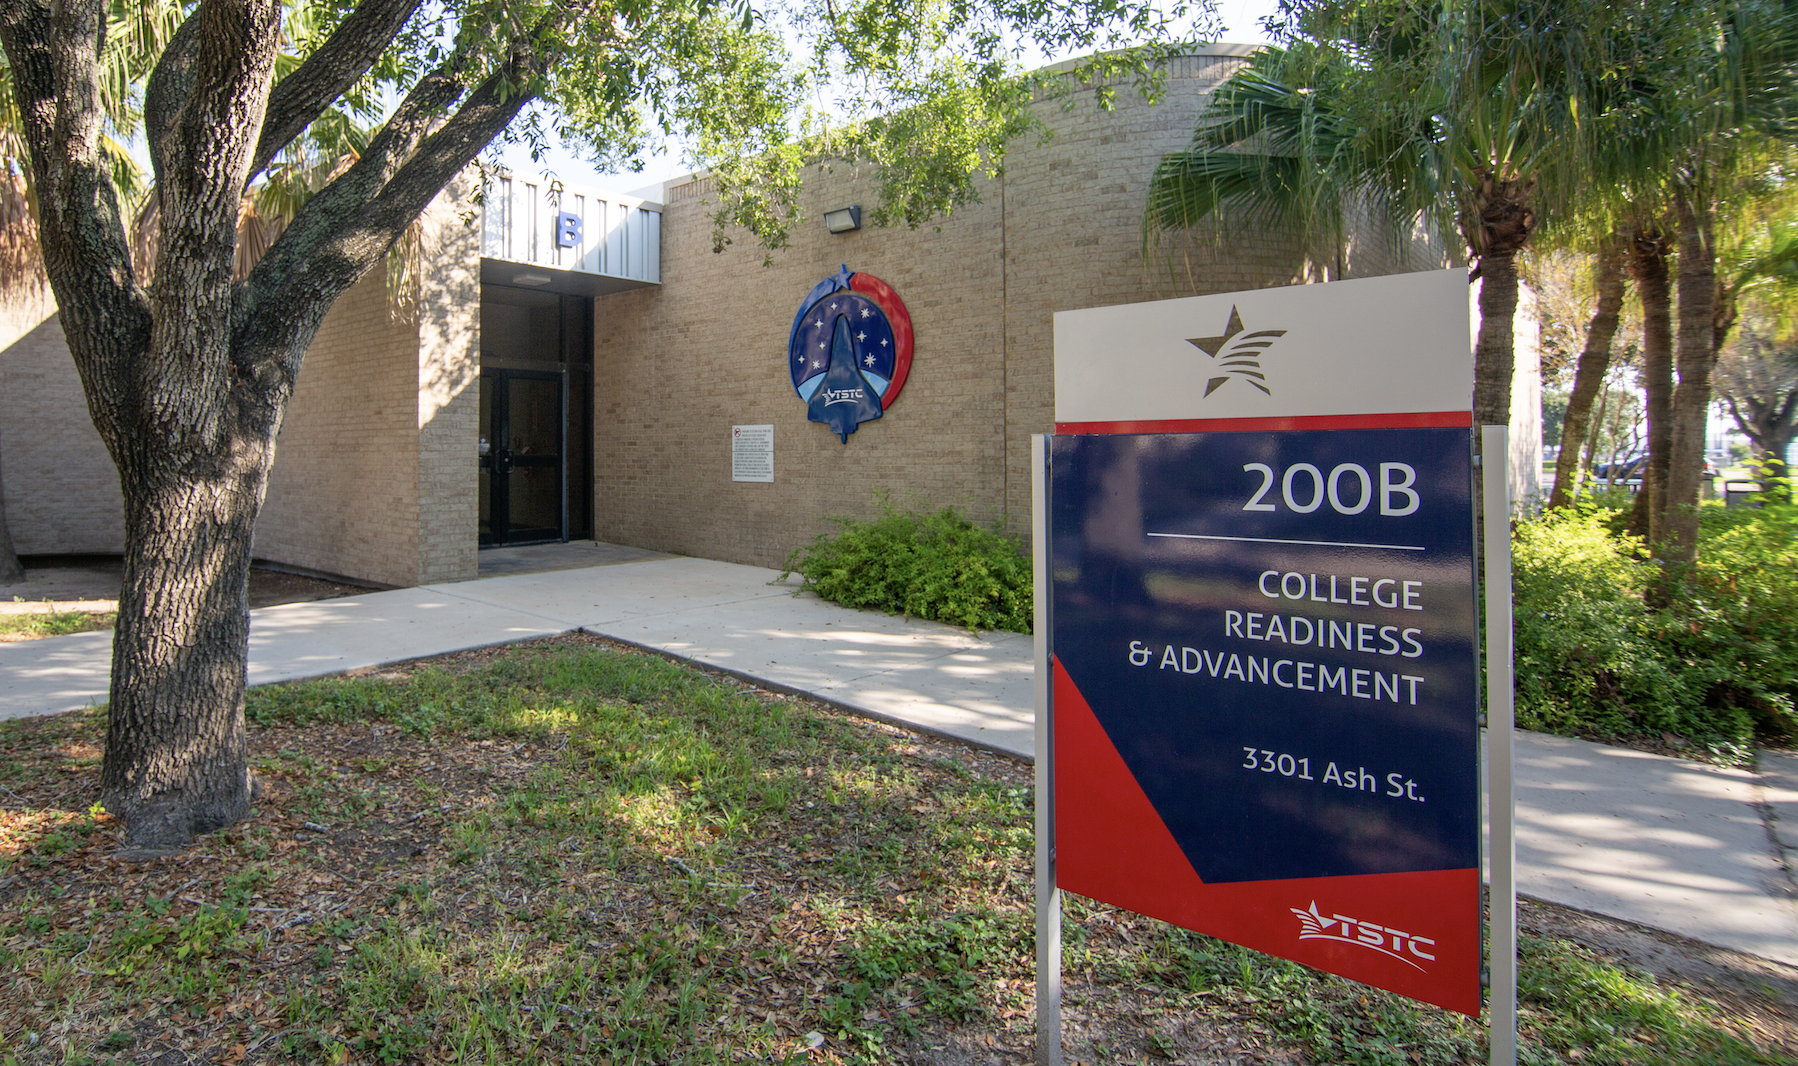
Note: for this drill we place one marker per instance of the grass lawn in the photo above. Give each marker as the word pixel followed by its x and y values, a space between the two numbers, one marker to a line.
pixel 567 852
pixel 15 627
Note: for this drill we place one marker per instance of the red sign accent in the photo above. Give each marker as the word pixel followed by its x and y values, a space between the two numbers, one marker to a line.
pixel 1382 929
pixel 1397 420
pixel 899 317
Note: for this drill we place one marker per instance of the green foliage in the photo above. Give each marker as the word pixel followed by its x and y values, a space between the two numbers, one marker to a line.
pixel 1570 998
pixel 53 623
pixel 936 960
pixel 1587 659
pixel 1740 609
pixel 924 96
pixel 937 565
pixel 1716 667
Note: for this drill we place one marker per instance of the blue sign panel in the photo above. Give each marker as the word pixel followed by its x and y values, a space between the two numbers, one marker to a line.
pixel 1272 636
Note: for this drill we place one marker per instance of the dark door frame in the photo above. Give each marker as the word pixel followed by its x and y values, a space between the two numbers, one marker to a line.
pixel 500 461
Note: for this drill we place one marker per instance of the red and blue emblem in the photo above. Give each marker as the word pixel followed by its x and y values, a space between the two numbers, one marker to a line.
pixel 850 350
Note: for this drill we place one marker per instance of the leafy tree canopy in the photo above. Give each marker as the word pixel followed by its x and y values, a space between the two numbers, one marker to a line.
pixel 926 93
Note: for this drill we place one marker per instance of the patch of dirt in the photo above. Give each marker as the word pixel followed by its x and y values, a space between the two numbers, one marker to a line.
pixel 89 585
pixel 271 587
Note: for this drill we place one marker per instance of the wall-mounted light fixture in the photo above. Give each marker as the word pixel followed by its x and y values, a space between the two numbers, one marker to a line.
pixel 844 219
pixel 531 279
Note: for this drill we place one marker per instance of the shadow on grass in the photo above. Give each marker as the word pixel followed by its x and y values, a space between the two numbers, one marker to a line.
pixel 570 852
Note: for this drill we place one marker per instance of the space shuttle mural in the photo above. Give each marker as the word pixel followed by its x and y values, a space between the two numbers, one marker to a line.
pixel 850 350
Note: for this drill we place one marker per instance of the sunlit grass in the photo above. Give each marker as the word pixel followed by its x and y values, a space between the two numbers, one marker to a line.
pixel 581 855
pixel 53 624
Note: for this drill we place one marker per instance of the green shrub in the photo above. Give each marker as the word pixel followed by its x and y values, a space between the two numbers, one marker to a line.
pixel 1739 610
pixel 928 565
pixel 1718 665
pixel 1588 661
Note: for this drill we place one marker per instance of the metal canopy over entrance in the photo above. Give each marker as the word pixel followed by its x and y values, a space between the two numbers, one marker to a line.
pixel 552 236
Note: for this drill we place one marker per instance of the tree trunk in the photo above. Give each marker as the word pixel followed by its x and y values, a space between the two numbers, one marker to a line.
pixel 1494 355
pixel 187 379
pixel 1678 543
pixel 176 750
pixel 1604 399
pixel 1648 267
pixel 1594 363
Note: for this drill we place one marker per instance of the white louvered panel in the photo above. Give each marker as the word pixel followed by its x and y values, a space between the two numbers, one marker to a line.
pixel 620 235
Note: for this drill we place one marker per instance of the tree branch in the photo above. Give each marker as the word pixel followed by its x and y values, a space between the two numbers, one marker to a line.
pixel 170 85
pixel 328 73
pixel 346 228
pixel 54 51
pixel 209 131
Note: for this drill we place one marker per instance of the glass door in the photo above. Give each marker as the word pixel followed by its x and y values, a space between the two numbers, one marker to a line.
pixel 524 418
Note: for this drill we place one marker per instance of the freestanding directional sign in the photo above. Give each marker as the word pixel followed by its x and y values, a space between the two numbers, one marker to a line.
pixel 1262 623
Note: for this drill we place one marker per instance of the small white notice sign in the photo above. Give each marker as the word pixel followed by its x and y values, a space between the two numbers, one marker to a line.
pixel 752 453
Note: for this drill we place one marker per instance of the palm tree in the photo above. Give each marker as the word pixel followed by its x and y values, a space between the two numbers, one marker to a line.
pixel 1454 116
pixel 1698 122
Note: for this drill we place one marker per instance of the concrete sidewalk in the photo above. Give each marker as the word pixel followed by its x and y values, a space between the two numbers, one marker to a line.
pixel 1666 843
pixel 950 681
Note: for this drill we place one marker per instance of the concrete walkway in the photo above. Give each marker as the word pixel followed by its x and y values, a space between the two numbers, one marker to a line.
pixel 1665 843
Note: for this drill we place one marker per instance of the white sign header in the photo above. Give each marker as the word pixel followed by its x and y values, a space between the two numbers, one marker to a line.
pixel 1398 344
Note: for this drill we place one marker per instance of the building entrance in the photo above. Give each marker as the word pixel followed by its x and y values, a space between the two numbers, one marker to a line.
pixel 535 438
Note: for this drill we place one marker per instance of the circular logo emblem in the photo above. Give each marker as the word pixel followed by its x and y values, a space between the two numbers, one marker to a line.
pixel 850 350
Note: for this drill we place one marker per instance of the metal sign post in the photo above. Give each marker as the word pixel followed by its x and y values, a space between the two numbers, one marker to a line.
pixel 1501 898
pixel 1048 896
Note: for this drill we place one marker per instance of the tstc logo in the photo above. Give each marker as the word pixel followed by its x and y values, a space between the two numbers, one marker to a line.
pixel 1381 938
pixel 1241 353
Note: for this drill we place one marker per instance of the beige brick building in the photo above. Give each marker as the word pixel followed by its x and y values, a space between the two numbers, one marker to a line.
pixel 519 389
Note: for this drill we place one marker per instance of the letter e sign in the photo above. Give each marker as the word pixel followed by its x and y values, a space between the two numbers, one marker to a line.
pixel 568 229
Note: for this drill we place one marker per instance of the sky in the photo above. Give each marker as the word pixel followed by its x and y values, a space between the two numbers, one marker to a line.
pixel 1242 25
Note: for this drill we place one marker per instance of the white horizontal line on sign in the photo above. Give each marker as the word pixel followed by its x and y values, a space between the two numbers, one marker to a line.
pixel 1312 543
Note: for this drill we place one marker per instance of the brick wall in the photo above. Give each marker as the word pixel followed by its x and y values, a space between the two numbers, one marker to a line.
pixel 449 390
pixel 62 491
pixel 374 471
pixel 677 366
pixel 343 494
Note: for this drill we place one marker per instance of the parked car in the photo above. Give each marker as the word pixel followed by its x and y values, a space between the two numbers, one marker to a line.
pixel 1627 471
pixel 1630 471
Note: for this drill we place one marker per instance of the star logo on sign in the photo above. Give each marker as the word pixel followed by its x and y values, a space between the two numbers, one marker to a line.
pixel 1238 353
pixel 866 312
pixel 869 360
pixel 862 336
